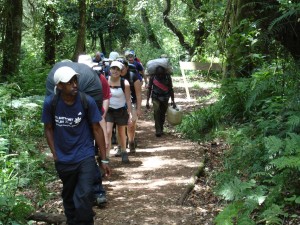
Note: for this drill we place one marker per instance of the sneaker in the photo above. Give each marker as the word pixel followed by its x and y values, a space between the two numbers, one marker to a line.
pixel 118 153
pixel 125 157
pixel 132 147
pixel 100 199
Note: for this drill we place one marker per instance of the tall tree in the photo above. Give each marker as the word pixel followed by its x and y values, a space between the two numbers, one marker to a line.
pixel 50 33
pixel 275 21
pixel 12 39
pixel 80 43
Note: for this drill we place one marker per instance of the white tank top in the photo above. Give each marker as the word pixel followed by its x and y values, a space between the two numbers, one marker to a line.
pixel 117 99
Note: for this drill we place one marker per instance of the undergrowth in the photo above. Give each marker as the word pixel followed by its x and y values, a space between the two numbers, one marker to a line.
pixel 21 162
pixel 260 119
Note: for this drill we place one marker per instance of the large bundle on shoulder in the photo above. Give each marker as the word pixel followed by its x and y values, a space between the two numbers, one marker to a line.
pixel 154 63
pixel 88 81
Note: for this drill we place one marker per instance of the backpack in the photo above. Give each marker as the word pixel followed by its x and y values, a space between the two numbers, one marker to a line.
pixel 88 81
pixel 154 63
pixel 133 69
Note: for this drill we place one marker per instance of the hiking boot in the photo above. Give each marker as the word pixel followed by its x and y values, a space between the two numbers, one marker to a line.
pixel 125 157
pixel 100 199
pixel 132 147
pixel 158 134
pixel 118 153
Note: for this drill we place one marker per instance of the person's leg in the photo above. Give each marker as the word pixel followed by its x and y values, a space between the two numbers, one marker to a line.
pixel 114 135
pixel 69 179
pixel 109 127
pixel 163 109
pixel 122 136
pixel 118 153
pixel 131 129
pixel 83 194
pixel 99 191
pixel 157 117
pixel 131 136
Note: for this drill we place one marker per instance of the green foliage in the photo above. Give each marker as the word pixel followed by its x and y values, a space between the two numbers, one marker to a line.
pixel 264 148
pixel 272 215
pixel 199 123
pixel 21 162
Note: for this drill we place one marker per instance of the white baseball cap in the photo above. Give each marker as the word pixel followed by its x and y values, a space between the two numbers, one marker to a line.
pixel 117 64
pixel 64 74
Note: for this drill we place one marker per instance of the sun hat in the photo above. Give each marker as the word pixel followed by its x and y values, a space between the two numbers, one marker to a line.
pixel 117 64
pixel 113 55
pixel 86 59
pixel 64 74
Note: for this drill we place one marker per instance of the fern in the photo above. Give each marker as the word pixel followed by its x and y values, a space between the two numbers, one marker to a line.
pixel 227 216
pixel 291 162
pixel 272 215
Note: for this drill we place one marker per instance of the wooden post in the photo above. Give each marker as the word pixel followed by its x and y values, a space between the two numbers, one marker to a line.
pixel 196 66
pixel 184 80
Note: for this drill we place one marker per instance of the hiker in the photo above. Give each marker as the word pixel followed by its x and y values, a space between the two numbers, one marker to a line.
pixel 119 111
pixel 130 57
pixel 112 57
pixel 99 191
pixel 70 131
pixel 136 103
pixel 98 57
pixel 160 89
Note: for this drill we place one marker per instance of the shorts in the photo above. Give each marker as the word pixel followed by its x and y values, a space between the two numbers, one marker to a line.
pixel 119 116
pixel 133 112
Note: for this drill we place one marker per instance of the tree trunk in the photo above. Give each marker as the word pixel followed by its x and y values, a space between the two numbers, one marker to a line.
pixel 102 43
pixel 149 31
pixel 12 39
pixel 237 66
pixel 49 218
pixel 80 44
pixel 50 34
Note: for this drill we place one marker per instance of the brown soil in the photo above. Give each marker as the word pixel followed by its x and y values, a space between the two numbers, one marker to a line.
pixel 148 190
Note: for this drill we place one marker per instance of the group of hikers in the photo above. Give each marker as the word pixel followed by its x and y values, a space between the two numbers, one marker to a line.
pixel 79 129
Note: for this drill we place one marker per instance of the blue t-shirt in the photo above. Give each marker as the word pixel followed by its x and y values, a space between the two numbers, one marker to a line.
pixel 73 138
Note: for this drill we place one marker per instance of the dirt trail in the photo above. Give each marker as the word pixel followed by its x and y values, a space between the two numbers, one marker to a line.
pixel 146 191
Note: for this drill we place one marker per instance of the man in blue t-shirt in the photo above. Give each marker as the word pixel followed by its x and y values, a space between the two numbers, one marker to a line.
pixel 70 131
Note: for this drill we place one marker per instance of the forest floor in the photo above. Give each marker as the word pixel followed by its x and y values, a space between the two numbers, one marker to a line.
pixel 151 188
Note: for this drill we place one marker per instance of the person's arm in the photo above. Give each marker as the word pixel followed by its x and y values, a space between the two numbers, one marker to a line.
pixel 106 94
pixel 128 101
pixel 100 141
pixel 149 92
pixel 138 93
pixel 48 129
pixel 105 106
pixel 172 93
pixel 103 126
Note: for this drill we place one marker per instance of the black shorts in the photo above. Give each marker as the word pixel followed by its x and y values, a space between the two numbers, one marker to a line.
pixel 119 116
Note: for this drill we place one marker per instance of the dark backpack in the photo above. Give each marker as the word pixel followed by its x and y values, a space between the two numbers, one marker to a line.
pixel 88 81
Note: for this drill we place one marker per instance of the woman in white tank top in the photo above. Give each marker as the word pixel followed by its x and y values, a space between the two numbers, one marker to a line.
pixel 119 111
